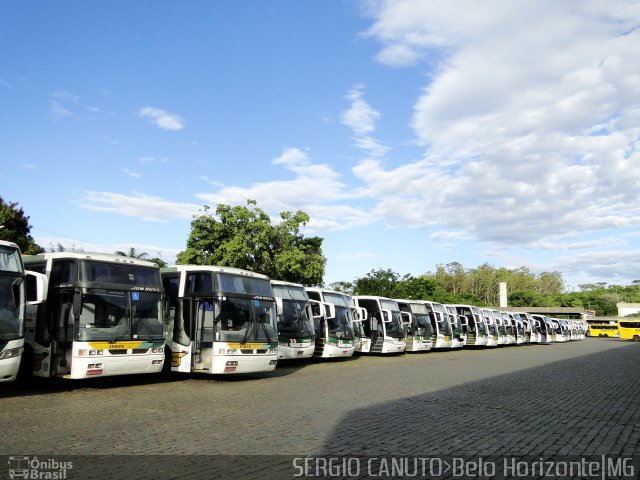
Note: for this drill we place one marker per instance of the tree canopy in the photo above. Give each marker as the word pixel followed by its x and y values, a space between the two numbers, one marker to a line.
pixel 16 228
pixel 244 237
pixel 452 283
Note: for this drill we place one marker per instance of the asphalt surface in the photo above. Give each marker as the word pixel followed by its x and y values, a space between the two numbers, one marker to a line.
pixel 353 418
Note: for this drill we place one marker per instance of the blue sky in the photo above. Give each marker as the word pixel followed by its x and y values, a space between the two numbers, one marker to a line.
pixel 415 133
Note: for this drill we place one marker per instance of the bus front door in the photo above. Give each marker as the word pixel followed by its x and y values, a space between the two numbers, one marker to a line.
pixel 202 335
pixel 63 327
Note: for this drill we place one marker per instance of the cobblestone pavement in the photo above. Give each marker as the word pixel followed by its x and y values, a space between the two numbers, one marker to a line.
pixel 578 399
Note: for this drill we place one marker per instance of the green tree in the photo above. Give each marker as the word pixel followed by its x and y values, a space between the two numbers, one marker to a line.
pixel 377 282
pixel 61 248
pixel 133 254
pixel 419 288
pixel 244 237
pixel 14 227
pixel 345 287
pixel 158 261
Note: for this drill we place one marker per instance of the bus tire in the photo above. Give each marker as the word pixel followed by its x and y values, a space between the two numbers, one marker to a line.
pixel 166 367
pixel 636 338
pixel 25 371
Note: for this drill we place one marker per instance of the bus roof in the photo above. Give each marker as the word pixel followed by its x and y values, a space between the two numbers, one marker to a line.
pixel 100 257
pixel 212 268
pixel 404 300
pixel 327 290
pixel 7 243
pixel 373 297
pixel 284 282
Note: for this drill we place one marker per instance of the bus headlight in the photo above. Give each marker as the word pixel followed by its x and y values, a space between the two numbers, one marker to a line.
pixel 11 353
pixel 84 352
pixel 227 351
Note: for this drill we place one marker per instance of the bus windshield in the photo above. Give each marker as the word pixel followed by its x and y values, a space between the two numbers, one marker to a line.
pixel 395 328
pixel 120 315
pixel 246 320
pixel 341 327
pixel 337 299
pixel 10 301
pixel 10 260
pixel 126 274
pixel 422 325
pixel 294 322
pixel 476 318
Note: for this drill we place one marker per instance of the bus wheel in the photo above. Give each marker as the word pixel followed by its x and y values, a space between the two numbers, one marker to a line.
pixel 166 367
pixel 25 371
pixel 636 338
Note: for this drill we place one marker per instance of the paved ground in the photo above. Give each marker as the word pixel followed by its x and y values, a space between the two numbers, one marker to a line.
pixel 564 401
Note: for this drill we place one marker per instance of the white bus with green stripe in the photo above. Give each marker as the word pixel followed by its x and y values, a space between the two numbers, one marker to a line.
pixel 384 325
pixel 221 320
pixel 420 335
pixel 103 316
pixel 296 333
pixel 441 324
pixel 13 300
pixel 333 322
pixel 471 317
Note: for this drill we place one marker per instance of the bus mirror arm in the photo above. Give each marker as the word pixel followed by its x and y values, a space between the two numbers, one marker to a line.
pixel 77 304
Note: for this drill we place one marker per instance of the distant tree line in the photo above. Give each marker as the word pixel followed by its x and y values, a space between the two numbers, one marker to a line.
pixel 452 283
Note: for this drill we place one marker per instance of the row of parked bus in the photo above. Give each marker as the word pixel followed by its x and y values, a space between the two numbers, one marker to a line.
pixel 385 325
pixel 81 315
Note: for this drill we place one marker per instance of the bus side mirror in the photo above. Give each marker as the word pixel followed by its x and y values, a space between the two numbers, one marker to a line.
pixel 167 308
pixel 407 318
pixel 315 309
pixel 37 285
pixel 329 310
pixel 77 303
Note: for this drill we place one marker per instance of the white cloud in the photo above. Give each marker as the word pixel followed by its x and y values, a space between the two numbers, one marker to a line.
pixel 57 111
pixel 131 173
pixel 316 188
pixel 63 103
pixel 161 118
pixel 166 254
pixel 361 118
pixel 144 207
pixel 617 264
pixel 529 120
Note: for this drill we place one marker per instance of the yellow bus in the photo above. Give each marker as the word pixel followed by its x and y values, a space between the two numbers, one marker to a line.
pixel 602 330
pixel 629 329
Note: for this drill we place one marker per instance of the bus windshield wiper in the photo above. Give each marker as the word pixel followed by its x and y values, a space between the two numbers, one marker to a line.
pixel 245 337
pixel 120 323
pixel 266 332
pixel 302 327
